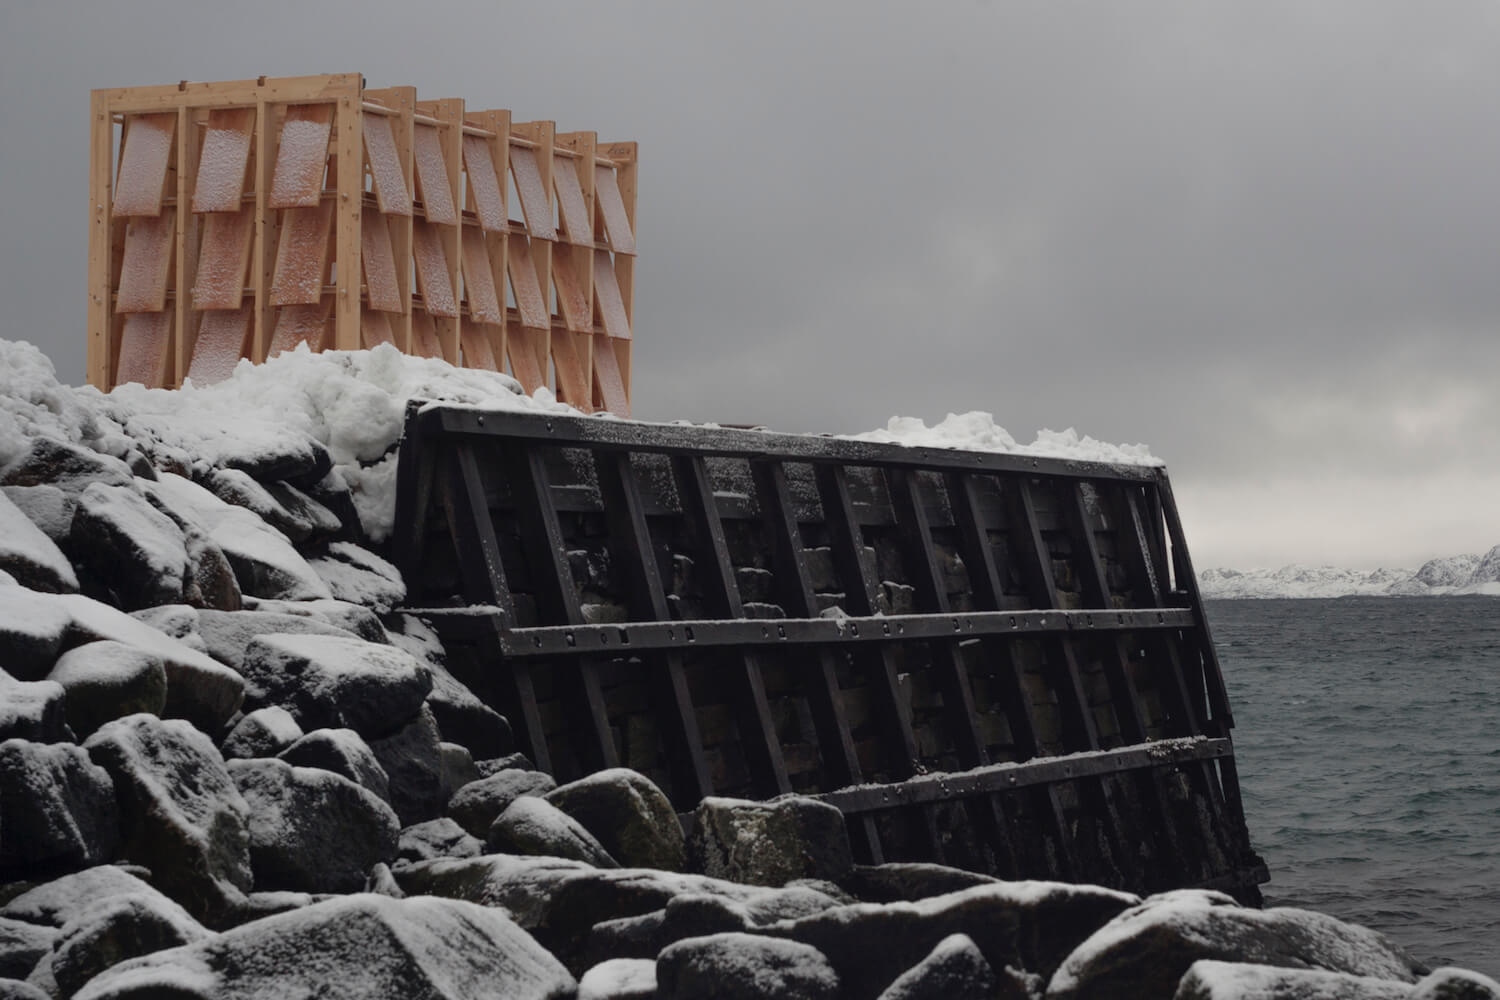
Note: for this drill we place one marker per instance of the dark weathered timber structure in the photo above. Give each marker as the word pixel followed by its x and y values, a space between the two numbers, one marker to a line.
pixel 994 661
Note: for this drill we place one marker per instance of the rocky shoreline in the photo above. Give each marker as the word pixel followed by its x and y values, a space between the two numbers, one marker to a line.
pixel 228 769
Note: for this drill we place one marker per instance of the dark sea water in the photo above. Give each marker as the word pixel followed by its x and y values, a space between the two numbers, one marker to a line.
pixel 1368 740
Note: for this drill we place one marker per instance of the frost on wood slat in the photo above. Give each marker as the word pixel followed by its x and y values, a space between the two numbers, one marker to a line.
pixel 220 344
pixel 432 270
pixel 302 156
pixel 484 184
pixel 477 350
pixel 227 239
pixel 612 207
pixel 528 360
pixel 572 299
pixel 572 377
pixel 570 201
pixel 607 297
pixel 143 349
pixel 221 167
pixel 526 287
pixel 391 193
pixel 479 280
pixel 432 176
pixel 143 164
pixel 380 262
pixel 302 255
pixel 528 178
pixel 146 263
pixel 608 378
pixel 301 324
pixel 374 329
pixel 424 338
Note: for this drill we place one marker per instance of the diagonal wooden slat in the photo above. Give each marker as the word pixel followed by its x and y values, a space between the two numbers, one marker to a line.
pixel 570 201
pixel 479 280
pixel 432 175
pixel 389 178
pixel 607 377
pixel 143 164
pixel 524 285
pixel 528 360
pixel 147 263
pixel 478 352
pixel 145 343
pixel 302 324
pixel 484 185
pixel 382 285
pixel 224 258
pixel 424 338
pixel 534 204
pixel 302 256
pixel 432 270
pixel 374 329
pixel 220 183
pixel 572 295
pixel 220 344
pixel 607 298
pixel 301 156
pixel 572 377
pixel 612 207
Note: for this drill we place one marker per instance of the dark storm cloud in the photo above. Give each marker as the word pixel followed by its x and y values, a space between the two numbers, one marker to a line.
pixel 1260 237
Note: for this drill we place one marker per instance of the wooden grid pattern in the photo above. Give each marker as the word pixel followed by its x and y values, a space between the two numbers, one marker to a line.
pixel 239 219
pixel 1018 679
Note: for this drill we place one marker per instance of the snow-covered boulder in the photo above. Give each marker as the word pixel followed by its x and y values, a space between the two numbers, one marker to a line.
pixel 22 946
pixel 115 929
pixel 32 710
pixel 478 804
pixel 29 555
pixel 412 759
pixel 1210 980
pixel 56 903
pixel 57 810
pixel 531 825
pixel 181 814
pixel 124 545
pixel 343 752
pixel 360 576
pixel 626 812
pixel 365 946
pixel 908 880
pixel 744 967
pixel 769 843
pixel 33 628
pixel 1146 950
pixel 437 838
pixel 1456 984
pixel 619 979
pixel 312 830
pixel 50 461
pixel 265 732
pixel 108 680
pixel 955 969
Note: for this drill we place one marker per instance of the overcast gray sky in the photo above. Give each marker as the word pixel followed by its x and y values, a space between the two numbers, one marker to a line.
pixel 1261 237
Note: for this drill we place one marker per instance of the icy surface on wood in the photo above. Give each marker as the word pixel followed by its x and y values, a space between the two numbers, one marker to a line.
pixel 534 204
pixel 479 280
pixel 612 207
pixel 302 256
pixel 432 269
pixel 220 344
pixel 143 166
pixel 221 166
pixel 607 296
pixel 300 325
pixel 144 342
pixel 146 264
pixel 432 176
pixel 572 294
pixel 484 184
pixel 302 156
pixel 385 166
pixel 570 200
pixel 524 283
pixel 220 278
pixel 380 262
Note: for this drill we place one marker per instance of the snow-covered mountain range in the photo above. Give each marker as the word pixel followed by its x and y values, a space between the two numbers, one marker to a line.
pixel 1463 574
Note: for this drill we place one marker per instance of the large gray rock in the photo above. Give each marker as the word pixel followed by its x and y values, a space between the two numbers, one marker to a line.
pixel 329 682
pixel 954 970
pixel 286 509
pixel 628 815
pixel 1455 984
pixel 412 759
pixel 227 634
pixel 264 732
pixel 14 989
pixel 22 945
pixel 57 810
pixel 1147 949
pixel 365 946
pixel 209 580
pixel 478 804
pixel 27 554
pixel 619 979
pixel 534 826
pixel 133 550
pixel 312 830
pixel 343 752
pixel 459 768
pixel 437 838
pixel 908 880
pixel 744 967
pixel 115 929
pixel 32 710
pixel 51 510
pixel 769 843
pixel 70 468
pixel 56 903
pixel 108 680
pixel 360 576
pixel 33 628
pixel 1211 980
pixel 1027 925
pixel 181 814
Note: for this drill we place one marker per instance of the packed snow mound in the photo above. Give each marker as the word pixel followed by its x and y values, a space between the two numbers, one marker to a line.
pixel 1457 575
pixel 977 431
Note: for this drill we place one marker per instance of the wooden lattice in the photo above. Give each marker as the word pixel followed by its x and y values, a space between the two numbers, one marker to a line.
pixel 240 219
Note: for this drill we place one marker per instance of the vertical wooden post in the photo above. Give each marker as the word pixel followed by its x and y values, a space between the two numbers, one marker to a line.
pixel 348 123
pixel 624 155
pixel 101 140
pixel 262 252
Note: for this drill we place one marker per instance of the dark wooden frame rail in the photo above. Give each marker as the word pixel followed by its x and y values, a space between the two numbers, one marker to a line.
pixel 994 661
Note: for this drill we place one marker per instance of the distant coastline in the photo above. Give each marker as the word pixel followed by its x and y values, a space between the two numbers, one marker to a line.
pixel 1452 575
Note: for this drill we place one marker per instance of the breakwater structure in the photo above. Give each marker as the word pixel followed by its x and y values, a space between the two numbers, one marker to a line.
pixel 238 219
pixel 993 661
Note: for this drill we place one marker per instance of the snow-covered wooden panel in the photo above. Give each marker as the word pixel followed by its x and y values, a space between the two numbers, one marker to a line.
pixel 220 183
pixel 301 324
pixel 530 303
pixel 479 280
pixel 221 343
pixel 432 176
pixel 381 280
pixel 302 255
pixel 223 259
pixel 534 203
pixel 433 277
pixel 147 263
pixel 570 201
pixel 607 297
pixel 301 156
pixel 572 294
pixel 374 329
pixel 478 352
pixel 389 179
pixel 608 378
pixel 484 184
pixel 612 208
pixel 145 339
pixel 143 164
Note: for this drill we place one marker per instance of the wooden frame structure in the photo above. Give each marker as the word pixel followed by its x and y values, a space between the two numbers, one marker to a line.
pixel 238 219
pixel 994 661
